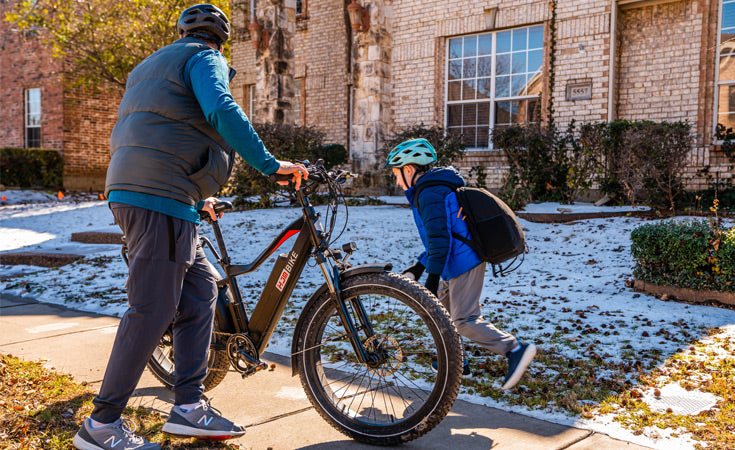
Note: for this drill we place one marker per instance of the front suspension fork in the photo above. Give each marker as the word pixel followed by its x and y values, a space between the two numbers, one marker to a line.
pixel 361 321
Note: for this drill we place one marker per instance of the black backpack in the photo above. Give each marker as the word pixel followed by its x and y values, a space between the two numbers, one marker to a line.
pixel 496 234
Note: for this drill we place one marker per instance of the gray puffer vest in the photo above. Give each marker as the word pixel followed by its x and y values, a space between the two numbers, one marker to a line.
pixel 162 144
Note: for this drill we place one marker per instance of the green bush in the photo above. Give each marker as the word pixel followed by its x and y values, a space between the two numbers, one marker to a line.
pixel 695 254
pixel 633 161
pixel 285 142
pixel 31 168
pixel 546 164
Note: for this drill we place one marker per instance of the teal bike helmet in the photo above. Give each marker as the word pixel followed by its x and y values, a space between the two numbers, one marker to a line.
pixel 412 151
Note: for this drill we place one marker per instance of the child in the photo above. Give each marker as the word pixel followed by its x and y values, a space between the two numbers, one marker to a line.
pixel 455 272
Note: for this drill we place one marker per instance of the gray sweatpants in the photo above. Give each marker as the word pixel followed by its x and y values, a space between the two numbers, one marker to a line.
pixel 461 297
pixel 168 281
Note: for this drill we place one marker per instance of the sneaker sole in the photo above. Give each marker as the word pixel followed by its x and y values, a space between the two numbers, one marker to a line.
pixel 526 359
pixel 81 444
pixel 183 430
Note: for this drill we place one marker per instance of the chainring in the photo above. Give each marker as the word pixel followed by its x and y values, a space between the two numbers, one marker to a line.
pixel 240 344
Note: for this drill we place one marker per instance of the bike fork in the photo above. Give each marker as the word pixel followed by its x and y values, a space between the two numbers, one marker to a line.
pixel 353 327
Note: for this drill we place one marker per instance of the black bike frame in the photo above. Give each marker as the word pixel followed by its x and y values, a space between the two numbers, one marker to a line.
pixel 281 282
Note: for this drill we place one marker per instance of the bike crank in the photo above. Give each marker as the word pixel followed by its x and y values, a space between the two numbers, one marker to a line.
pixel 243 355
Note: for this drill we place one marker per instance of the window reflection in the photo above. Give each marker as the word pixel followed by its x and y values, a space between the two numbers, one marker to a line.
pixel 486 90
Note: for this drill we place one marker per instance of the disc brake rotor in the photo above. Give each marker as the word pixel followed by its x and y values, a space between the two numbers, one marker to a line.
pixel 388 350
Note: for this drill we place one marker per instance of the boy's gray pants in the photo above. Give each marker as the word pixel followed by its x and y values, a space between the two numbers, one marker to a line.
pixel 461 297
pixel 168 281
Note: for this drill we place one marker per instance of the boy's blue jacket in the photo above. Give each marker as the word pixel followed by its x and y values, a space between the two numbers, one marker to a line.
pixel 438 218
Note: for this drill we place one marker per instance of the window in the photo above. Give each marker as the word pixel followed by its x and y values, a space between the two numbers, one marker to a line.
pixel 300 7
pixel 298 102
pixel 726 69
pixel 33 118
pixel 253 9
pixel 249 101
pixel 493 81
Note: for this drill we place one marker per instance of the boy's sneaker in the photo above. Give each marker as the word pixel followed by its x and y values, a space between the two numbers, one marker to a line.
pixel 518 361
pixel 109 437
pixel 204 422
pixel 465 368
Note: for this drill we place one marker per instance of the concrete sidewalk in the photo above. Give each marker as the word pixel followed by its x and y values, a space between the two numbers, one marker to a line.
pixel 272 404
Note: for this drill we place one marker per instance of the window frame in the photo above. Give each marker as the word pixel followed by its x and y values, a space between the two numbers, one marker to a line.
pixel 300 113
pixel 304 8
pixel 492 99
pixel 720 84
pixel 28 113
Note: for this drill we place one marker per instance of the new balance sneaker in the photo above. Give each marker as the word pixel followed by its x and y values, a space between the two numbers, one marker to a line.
pixel 518 362
pixel 119 435
pixel 203 422
pixel 465 368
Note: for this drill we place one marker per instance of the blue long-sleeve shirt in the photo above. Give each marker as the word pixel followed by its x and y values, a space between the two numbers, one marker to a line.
pixel 207 75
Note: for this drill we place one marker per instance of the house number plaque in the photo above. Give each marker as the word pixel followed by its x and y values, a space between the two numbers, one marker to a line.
pixel 579 91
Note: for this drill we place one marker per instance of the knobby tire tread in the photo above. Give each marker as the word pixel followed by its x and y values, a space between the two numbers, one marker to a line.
pixel 454 349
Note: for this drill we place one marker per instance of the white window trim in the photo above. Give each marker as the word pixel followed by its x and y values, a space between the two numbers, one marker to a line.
pixel 718 83
pixel 492 99
pixel 27 115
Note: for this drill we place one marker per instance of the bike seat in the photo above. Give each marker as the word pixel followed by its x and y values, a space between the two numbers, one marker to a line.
pixel 219 208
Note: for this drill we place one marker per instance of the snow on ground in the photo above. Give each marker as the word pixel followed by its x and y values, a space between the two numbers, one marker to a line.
pixel 569 296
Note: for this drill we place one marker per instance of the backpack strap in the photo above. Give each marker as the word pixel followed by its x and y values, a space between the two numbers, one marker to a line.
pixel 418 189
pixel 453 187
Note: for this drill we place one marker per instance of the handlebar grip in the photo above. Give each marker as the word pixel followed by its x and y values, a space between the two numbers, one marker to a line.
pixel 222 207
pixel 276 177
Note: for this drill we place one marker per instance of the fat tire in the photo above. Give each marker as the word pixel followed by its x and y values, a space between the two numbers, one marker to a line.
pixel 445 338
pixel 217 365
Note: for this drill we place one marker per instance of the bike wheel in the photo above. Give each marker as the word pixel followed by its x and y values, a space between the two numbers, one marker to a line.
pixel 161 363
pixel 398 397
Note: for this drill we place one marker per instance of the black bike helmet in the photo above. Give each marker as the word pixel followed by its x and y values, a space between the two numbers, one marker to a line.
pixel 205 18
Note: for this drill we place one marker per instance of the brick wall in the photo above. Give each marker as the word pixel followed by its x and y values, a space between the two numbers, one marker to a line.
pixel 659 62
pixel 582 56
pixel 25 64
pixel 320 55
pixel 89 116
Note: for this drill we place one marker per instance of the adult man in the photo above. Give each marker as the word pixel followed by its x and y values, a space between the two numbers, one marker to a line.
pixel 172 148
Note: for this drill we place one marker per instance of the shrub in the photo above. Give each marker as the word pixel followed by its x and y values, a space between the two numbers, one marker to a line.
pixel 546 164
pixel 449 148
pixel 629 160
pixel 695 254
pixel 31 168
pixel 285 142
pixel 537 168
pixel 659 155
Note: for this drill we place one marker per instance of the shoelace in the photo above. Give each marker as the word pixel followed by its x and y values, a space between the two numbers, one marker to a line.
pixel 128 427
pixel 207 406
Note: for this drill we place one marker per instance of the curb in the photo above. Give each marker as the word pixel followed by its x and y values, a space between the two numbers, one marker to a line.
pixel 686 294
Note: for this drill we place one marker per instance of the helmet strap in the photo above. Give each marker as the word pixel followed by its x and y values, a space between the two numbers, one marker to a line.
pixel 403 175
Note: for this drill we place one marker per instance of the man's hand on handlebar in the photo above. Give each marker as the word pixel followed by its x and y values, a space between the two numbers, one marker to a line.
pixel 298 171
pixel 209 207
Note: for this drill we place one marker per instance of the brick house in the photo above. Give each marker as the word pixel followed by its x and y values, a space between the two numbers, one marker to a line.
pixel 38 111
pixel 468 65
pixel 472 65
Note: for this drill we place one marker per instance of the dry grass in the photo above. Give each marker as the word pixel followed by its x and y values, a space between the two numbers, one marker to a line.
pixel 41 409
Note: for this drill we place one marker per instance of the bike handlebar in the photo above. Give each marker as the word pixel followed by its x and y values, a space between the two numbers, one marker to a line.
pixel 317 174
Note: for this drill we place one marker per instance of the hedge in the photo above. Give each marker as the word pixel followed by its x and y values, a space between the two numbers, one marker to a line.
pixel 31 168
pixel 695 254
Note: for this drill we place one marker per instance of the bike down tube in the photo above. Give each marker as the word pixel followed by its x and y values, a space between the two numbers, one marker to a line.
pixel 278 289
